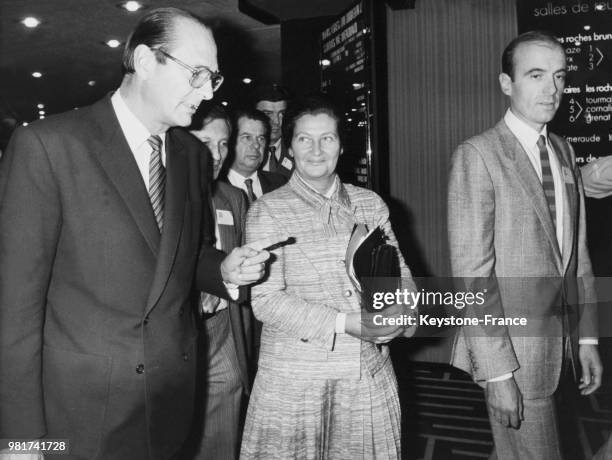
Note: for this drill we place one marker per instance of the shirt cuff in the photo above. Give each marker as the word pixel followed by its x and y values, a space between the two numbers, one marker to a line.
pixel 232 290
pixel 341 323
pixel 588 341
pixel 501 377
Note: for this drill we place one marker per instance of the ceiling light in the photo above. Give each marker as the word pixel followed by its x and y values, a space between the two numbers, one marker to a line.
pixel 325 62
pixel 36 74
pixel 113 43
pixel 41 112
pixel 41 106
pixel 132 6
pixel 42 117
pixel 246 80
pixel 587 27
pixel 25 123
pixel 30 22
pixel 224 103
pixel 91 83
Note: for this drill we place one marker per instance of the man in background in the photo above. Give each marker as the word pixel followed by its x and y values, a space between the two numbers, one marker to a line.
pixel 517 224
pixel 227 359
pixel 249 144
pixel 272 100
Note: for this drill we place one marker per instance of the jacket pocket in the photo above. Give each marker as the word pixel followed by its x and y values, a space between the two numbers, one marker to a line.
pixel 76 388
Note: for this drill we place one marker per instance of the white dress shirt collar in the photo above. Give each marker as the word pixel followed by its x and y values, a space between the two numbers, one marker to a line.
pixel 526 135
pixel 237 180
pixel 135 132
pixel 136 135
pixel 233 175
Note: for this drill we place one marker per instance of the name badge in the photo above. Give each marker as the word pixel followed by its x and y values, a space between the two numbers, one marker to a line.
pixel 568 178
pixel 224 217
pixel 287 163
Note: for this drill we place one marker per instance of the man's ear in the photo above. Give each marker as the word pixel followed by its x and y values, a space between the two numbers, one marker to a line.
pixel 341 151
pixel 144 61
pixel 505 82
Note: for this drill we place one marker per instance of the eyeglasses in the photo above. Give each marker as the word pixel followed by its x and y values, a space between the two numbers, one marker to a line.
pixel 199 75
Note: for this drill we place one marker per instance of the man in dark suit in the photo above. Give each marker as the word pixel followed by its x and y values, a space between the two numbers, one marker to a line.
pixel 249 144
pixel 227 358
pixel 517 224
pixel 101 214
pixel 272 100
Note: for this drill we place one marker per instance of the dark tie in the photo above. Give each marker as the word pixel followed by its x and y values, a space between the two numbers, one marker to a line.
pixel 548 183
pixel 273 165
pixel 157 180
pixel 250 193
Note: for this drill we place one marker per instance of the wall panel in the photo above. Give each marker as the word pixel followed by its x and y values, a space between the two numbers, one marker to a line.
pixel 443 62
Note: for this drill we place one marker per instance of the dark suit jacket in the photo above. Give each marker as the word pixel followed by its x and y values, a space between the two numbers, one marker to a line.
pixel 97 339
pixel 270 181
pixel 229 198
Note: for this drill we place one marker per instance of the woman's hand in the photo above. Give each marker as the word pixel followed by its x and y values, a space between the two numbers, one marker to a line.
pixel 376 327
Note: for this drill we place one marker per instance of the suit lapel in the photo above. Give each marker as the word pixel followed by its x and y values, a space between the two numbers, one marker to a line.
pixel 530 181
pixel 118 162
pixel 174 215
pixel 570 199
pixel 264 182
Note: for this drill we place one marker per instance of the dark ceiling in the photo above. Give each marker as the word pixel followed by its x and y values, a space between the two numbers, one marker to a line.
pixel 69 49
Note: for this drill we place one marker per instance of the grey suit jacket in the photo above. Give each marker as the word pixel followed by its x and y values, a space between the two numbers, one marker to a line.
pixel 501 231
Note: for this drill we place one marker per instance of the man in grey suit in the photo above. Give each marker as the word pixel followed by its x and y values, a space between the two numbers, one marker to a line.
pixel 227 358
pixel 517 225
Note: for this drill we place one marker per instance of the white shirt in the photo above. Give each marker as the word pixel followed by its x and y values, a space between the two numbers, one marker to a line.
pixel 237 180
pixel 136 135
pixel 528 138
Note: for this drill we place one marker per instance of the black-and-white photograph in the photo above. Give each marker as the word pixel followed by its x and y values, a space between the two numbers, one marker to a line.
pixel 306 229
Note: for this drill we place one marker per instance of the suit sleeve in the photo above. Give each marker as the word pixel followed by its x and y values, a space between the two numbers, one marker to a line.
pixel 597 177
pixel 587 326
pixel 471 229
pixel 272 304
pixel 30 225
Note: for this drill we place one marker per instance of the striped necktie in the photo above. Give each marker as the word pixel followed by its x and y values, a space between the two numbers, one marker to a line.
pixel 157 180
pixel 548 183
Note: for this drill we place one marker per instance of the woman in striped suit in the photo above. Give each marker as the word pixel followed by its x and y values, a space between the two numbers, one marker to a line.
pixel 325 387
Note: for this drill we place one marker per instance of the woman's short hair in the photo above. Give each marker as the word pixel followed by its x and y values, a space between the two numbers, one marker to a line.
pixel 311 104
